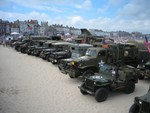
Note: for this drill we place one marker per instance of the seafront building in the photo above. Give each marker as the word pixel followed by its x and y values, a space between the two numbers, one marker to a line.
pixel 32 27
pixel 5 27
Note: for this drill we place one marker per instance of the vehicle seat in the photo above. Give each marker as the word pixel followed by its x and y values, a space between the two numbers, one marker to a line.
pixel 121 77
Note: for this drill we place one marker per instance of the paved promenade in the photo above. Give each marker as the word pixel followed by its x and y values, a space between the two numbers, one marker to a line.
pixel 31 85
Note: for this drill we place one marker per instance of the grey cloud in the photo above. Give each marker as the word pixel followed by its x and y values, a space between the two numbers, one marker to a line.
pixel 136 9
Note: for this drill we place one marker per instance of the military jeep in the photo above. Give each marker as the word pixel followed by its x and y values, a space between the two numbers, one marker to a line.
pixel 38 48
pixel 45 51
pixel 110 78
pixel 77 50
pixel 144 68
pixel 56 47
pixel 17 44
pixel 141 104
pixel 32 49
pixel 55 57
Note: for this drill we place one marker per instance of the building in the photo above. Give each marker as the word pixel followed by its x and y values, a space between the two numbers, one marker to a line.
pixel 5 27
pixel 43 29
pixel 32 27
pixel 15 27
pixel 75 31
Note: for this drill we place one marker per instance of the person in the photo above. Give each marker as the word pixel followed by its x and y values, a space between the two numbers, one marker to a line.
pixel 4 43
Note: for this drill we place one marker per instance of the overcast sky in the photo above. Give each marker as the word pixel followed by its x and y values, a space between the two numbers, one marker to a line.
pixel 108 15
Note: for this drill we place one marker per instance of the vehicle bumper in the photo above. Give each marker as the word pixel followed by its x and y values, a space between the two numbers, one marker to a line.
pixel 86 90
pixel 73 73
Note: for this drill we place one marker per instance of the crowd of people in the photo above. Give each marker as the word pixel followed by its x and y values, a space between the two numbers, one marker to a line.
pixel 5 42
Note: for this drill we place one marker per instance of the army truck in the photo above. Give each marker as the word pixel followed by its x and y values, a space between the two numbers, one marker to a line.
pixel 56 47
pixel 88 64
pixel 141 104
pixel 144 59
pixel 77 50
pixel 44 52
pixel 38 48
pixel 110 78
pixel 18 44
pixel 32 49
pixel 55 57
pixel 24 47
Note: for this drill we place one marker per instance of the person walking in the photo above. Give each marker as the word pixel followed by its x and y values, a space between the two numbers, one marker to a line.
pixel 3 43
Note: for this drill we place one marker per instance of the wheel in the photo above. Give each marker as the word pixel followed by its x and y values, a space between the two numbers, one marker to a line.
pixel 88 73
pixel 58 61
pixel 71 76
pixel 141 77
pixel 101 94
pixel 82 91
pixel 47 58
pixel 130 86
pixel 134 109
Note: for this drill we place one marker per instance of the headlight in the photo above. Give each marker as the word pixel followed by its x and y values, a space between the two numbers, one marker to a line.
pixel 72 62
pixel 94 83
pixel 80 65
pixel 140 102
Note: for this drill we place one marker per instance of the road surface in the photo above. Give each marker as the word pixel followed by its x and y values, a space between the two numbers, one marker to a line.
pixel 31 85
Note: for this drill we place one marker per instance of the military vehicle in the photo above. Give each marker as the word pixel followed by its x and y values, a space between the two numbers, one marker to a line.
pixel 55 57
pixel 141 104
pixel 24 47
pixel 37 43
pixel 88 64
pixel 144 68
pixel 18 43
pixel 45 51
pixel 33 43
pixel 144 59
pixel 56 47
pixel 77 50
pixel 43 45
pixel 110 78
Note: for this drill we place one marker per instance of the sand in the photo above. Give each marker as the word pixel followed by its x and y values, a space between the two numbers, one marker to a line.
pixel 29 84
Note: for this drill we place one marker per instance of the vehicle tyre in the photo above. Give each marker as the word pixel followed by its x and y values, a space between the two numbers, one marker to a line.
pixel 134 109
pixel 82 91
pixel 130 86
pixel 47 58
pixel 70 76
pixel 88 73
pixel 58 61
pixel 59 67
pixel 141 77
pixel 101 94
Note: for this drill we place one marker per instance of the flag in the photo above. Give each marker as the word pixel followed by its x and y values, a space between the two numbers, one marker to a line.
pixel 146 43
pixel 29 27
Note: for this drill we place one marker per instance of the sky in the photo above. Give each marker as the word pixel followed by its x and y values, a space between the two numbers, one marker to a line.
pixel 107 15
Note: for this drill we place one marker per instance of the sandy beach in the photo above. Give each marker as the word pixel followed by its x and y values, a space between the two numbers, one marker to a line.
pixel 29 84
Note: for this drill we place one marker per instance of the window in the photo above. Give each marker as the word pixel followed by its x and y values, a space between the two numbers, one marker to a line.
pixel 102 53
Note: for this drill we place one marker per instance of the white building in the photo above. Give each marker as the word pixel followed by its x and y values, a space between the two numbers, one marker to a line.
pixel 43 29
pixel 32 27
pixel 23 27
